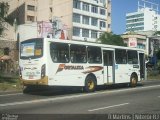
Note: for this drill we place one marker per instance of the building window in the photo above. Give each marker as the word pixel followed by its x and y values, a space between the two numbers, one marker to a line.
pixel 102 11
pixel 135 24
pixel 96 1
pixel 109 25
pixel 31 7
pixel 76 18
pixel 76 31
pixel 141 46
pixel 109 14
pixel 51 10
pixel 93 34
pixel 30 18
pixel 100 33
pixel 85 20
pixel 86 7
pixel 85 33
pixel 103 1
pixel 155 26
pixel 102 24
pixel 135 16
pixel 94 9
pixel 76 4
pixel 94 21
pixel 135 20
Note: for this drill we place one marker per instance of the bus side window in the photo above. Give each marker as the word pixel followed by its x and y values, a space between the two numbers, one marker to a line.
pixel 78 54
pixel 59 52
pixel 132 57
pixel 121 56
pixel 94 55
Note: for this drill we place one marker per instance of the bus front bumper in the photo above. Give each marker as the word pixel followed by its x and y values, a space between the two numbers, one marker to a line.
pixel 43 81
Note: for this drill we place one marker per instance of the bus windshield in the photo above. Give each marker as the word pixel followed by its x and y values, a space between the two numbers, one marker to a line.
pixel 32 48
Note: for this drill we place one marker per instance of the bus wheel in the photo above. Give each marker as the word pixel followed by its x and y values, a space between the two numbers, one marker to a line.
pixel 133 82
pixel 25 89
pixel 90 84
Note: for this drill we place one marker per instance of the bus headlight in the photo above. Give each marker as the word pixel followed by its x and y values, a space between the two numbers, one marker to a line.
pixel 43 70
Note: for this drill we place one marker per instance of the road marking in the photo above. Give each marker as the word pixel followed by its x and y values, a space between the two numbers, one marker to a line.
pixel 108 107
pixel 10 94
pixel 74 96
pixel 152 86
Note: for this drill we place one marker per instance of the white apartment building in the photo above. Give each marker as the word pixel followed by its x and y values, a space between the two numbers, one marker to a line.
pixel 90 18
pixel 141 26
pixel 83 19
pixel 145 19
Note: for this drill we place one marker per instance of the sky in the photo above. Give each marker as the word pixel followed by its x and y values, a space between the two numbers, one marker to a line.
pixel 119 10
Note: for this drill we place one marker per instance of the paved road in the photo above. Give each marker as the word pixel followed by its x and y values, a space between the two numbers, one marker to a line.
pixel 116 99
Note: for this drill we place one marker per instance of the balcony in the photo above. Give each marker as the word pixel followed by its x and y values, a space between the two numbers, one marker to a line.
pixel 91 14
pixel 94 2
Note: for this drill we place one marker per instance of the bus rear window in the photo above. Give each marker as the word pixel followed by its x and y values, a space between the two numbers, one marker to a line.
pixel 32 48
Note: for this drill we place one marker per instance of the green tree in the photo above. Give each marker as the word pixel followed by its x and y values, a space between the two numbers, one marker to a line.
pixel 4 7
pixel 158 62
pixel 111 39
pixel 158 55
pixel 157 33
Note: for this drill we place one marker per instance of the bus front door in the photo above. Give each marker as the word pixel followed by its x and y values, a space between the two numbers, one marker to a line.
pixel 142 65
pixel 109 72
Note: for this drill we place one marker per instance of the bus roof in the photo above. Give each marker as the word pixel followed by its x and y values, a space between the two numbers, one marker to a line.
pixel 92 44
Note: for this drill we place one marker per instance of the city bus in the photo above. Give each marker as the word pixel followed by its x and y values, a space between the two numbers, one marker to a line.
pixel 54 62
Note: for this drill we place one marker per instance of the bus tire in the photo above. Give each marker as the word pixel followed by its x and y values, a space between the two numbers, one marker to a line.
pixel 133 80
pixel 90 84
pixel 25 89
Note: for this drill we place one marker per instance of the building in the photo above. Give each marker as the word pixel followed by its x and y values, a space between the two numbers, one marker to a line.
pixel 146 40
pixel 141 27
pixel 24 11
pixel 85 19
pixel 146 18
pixel 135 40
pixel 82 19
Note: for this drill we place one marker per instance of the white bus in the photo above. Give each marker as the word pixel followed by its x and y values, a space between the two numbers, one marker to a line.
pixel 53 62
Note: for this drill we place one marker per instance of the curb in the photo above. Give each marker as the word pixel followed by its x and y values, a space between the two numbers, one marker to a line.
pixel 9 92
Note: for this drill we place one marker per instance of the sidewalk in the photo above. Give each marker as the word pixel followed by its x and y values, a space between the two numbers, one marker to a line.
pixel 9 84
pixel 9 92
